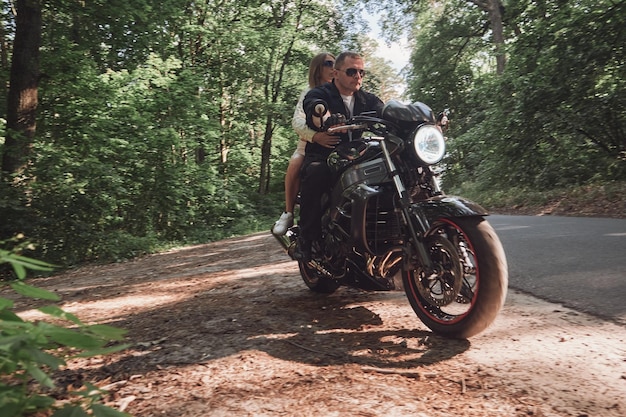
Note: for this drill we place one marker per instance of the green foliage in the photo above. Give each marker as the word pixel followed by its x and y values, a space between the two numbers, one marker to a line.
pixel 122 180
pixel 158 122
pixel 554 118
pixel 31 351
pixel 573 199
pixel 447 53
pixel 167 123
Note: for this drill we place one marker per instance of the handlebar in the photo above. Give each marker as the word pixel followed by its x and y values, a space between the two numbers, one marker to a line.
pixel 341 128
pixel 360 122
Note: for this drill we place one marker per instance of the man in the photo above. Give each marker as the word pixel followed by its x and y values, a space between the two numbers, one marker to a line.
pixel 343 96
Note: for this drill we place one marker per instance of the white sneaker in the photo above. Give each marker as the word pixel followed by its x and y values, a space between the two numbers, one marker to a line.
pixel 282 224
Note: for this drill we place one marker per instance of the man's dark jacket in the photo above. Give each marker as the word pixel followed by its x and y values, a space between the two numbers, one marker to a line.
pixel 363 102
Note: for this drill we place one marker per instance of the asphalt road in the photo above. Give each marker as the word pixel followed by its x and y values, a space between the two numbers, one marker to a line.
pixel 578 262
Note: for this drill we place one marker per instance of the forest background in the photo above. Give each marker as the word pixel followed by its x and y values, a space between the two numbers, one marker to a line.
pixel 130 126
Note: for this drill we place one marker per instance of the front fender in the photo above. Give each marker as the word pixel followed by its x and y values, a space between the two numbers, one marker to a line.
pixel 447 207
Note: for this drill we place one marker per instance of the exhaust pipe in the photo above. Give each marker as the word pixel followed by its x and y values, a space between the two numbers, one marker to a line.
pixel 288 240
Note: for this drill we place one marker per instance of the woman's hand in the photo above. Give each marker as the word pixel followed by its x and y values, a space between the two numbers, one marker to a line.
pixel 325 139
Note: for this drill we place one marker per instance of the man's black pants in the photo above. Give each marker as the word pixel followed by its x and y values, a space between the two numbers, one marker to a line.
pixel 315 180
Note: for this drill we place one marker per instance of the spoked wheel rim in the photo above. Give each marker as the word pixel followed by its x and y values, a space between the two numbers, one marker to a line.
pixel 448 294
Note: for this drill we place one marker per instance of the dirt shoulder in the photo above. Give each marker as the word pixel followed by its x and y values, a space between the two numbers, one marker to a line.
pixel 584 201
pixel 229 329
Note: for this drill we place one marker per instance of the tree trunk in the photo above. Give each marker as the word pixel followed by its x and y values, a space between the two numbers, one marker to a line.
pixel 495 10
pixel 22 99
pixel 266 152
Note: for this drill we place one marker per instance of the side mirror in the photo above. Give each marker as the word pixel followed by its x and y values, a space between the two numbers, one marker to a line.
pixel 320 107
pixel 316 112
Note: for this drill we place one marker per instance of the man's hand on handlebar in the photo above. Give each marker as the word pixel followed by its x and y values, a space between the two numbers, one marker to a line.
pixel 334 120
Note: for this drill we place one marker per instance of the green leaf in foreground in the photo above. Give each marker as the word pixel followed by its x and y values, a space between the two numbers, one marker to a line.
pixel 5 303
pixel 56 311
pixel 28 351
pixel 107 332
pixel 72 338
pixel 70 411
pixel 21 263
pixel 33 292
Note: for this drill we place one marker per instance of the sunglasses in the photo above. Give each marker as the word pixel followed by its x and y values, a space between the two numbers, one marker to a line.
pixel 328 63
pixel 352 72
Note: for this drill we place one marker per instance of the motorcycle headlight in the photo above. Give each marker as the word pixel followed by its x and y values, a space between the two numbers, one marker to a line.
pixel 429 144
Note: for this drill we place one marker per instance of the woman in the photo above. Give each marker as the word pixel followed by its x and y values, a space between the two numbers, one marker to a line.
pixel 321 70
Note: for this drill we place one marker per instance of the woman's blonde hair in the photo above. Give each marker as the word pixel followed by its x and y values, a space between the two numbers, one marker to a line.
pixel 315 68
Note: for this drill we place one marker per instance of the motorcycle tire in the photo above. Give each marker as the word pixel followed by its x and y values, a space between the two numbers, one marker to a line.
pixel 316 281
pixel 469 287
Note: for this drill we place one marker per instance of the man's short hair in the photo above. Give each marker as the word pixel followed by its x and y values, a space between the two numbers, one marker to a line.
pixel 342 57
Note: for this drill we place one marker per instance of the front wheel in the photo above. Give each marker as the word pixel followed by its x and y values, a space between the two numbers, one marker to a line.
pixel 466 290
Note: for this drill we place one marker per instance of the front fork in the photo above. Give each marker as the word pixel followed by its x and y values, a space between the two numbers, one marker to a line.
pixel 419 216
pixel 418 230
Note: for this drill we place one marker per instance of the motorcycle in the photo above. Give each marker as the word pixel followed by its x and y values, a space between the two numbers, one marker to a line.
pixel 386 218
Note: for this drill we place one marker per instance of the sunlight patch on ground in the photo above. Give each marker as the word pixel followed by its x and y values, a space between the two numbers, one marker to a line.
pixel 535 343
pixel 143 297
pixel 335 331
pixel 111 308
pixel 274 336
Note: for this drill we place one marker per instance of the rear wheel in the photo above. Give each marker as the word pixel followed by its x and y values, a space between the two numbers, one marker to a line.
pixel 316 278
pixel 466 290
